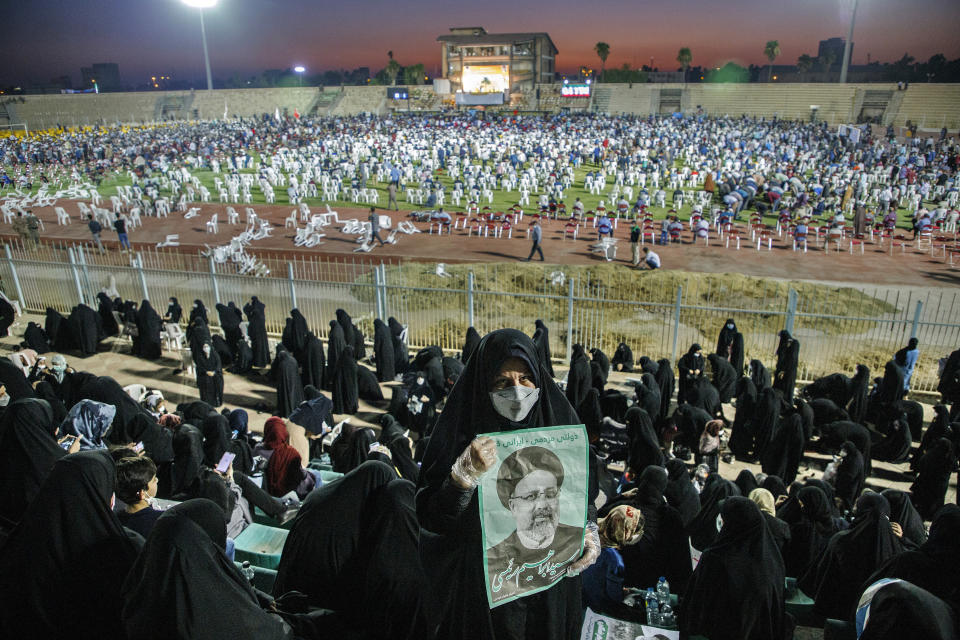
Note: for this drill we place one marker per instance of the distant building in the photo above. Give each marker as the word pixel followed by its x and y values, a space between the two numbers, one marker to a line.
pixel 478 62
pixel 106 74
pixel 834 46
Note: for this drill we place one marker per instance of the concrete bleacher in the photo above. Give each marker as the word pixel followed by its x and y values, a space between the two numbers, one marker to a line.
pixel 787 101
pixel 46 111
pixel 361 100
pixel 929 106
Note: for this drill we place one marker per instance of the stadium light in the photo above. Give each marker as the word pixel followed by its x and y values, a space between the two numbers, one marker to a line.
pixel 847 46
pixel 299 69
pixel 200 5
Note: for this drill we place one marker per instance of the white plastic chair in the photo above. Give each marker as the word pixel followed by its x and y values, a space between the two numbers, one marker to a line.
pixel 212 226
pixel 172 240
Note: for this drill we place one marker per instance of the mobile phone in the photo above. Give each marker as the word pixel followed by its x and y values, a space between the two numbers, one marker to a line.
pixel 138 447
pixel 234 434
pixel 225 461
pixel 66 444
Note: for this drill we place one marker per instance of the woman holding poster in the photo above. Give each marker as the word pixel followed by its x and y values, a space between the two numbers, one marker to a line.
pixel 508 516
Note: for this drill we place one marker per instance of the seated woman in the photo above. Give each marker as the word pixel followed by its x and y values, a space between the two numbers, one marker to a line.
pixel 354 550
pixel 184 586
pixel 811 527
pixel 65 562
pixel 285 474
pixel 662 549
pixel 741 571
pixel 90 421
pixel 851 557
pixel 779 529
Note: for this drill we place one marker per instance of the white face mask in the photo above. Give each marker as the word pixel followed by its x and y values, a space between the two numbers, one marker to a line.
pixel 515 403
pixel 730 326
pixel 4 400
pixel 206 350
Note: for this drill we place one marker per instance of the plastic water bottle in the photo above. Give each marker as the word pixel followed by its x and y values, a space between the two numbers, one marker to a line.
pixel 667 619
pixel 247 571
pixel 653 608
pixel 663 591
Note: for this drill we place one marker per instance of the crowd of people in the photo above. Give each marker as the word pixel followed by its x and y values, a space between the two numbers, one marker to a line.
pixel 392 548
pixel 622 166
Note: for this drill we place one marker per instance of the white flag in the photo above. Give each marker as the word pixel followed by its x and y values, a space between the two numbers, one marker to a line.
pixel 277 114
pixel 224 109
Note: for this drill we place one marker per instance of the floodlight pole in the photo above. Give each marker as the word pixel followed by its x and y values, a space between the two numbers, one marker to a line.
pixel 847 46
pixel 206 54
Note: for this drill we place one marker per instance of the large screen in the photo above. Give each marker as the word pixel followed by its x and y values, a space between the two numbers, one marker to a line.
pixel 397 93
pixel 575 90
pixel 486 78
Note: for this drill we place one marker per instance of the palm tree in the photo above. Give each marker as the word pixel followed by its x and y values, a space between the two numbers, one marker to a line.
pixel 603 50
pixel 392 69
pixel 804 64
pixel 771 50
pixel 685 57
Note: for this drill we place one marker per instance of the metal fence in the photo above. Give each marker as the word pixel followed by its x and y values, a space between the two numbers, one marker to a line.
pixel 838 327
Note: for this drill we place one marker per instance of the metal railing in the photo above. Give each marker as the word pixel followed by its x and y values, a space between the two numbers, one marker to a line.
pixel 838 327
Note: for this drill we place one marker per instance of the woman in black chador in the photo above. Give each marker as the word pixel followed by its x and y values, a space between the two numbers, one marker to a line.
pixel 505 361
pixel 257 331
pixel 788 359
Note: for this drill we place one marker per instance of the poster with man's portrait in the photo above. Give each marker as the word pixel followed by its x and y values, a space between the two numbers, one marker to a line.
pixel 533 509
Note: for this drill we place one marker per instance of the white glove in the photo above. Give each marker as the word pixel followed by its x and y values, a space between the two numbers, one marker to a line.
pixel 591 551
pixel 479 456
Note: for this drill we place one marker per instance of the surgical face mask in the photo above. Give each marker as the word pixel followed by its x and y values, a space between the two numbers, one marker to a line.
pixel 4 400
pixel 730 326
pixel 206 350
pixel 515 403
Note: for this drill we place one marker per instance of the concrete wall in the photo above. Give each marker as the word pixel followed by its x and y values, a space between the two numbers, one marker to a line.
pixel 929 105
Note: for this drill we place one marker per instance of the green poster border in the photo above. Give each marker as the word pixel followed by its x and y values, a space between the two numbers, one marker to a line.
pixel 586 500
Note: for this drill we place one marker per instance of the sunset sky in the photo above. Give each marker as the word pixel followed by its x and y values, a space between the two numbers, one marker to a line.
pixel 47 38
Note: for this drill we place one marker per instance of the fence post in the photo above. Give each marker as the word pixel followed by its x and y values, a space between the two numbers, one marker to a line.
pixel 293 286
pixel 470 299
pixel 76 274
pixel 383 292
pixel 213 279
pixel 570 320
pixel 676 323
pixel 791 310
pixel 82 255
pixel 143 278
pixel 16 278
pixel 916 319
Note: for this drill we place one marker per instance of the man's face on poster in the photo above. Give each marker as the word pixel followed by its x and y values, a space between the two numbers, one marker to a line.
pixel 535 507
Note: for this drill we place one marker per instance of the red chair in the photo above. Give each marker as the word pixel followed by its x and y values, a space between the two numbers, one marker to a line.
pixel 733 236
pixel 572 228
pixel 648 230
pixel 476 226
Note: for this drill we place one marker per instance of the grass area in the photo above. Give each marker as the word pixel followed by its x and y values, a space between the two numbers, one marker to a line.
pixel 616 305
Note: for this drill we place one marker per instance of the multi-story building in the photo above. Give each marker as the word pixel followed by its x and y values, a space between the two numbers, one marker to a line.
pixel 477 62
